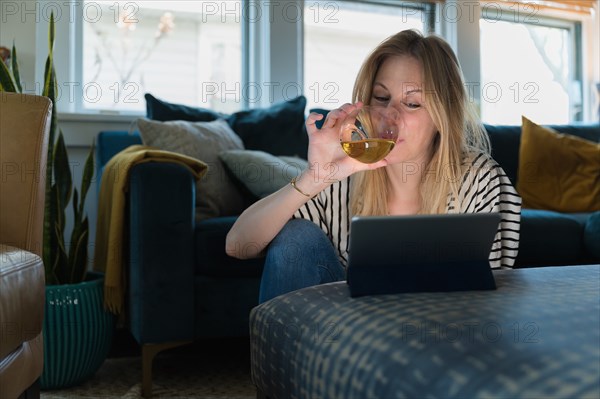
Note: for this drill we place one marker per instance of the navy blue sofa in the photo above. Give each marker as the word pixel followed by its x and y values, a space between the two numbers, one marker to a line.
pixel 182 285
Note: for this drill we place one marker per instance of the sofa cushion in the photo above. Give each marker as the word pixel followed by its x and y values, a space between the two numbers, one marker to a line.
pixel 260 172
pixel 549 238
pixel 505 141
pixel 278 129
pixel 323 112
pixel 558 171
pixel 160 110
pixel 211 259
pixel 592 235
pixel 216 193
pixel 587 131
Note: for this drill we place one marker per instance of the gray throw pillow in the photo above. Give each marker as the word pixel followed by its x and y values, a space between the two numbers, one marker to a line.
pixel 216 193
pixel 260 172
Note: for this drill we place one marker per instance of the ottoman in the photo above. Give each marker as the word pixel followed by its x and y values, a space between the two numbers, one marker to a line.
pixel 537 335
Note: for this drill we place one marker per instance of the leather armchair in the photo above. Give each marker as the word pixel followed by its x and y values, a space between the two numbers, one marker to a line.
pixel 24 130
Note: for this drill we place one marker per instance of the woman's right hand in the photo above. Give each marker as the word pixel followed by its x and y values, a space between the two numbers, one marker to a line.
pixel 328 163
pixel 327 160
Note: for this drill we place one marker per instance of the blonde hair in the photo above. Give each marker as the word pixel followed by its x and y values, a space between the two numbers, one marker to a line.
pixel 445 97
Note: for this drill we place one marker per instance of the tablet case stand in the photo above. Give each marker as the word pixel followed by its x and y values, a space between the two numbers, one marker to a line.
pixel 420 277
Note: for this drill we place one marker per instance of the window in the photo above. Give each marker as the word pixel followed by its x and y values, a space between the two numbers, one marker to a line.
pixel 338 36
pixel 181 51
pixel 529 67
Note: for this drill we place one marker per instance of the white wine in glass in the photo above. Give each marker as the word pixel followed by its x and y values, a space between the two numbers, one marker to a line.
pixel 370 133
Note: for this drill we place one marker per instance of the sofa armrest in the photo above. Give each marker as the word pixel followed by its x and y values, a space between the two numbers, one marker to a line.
pixel 161 254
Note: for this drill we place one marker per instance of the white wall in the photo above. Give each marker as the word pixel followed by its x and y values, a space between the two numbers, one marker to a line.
pixel 17 25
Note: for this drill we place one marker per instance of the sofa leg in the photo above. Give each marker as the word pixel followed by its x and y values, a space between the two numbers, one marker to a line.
pixel 33 392
pixel 148 353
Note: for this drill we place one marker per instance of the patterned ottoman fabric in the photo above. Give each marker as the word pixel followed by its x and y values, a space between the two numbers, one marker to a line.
pixel 537 335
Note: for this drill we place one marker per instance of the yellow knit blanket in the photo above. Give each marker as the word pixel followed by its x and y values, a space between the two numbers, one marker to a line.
pixel 110 237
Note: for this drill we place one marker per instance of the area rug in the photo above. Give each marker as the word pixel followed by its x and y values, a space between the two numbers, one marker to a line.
pixel 187 372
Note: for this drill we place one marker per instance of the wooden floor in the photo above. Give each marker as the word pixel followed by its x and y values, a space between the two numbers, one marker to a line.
pixel 212 369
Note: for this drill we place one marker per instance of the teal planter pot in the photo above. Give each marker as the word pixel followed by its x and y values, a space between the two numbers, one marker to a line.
pixel 78 332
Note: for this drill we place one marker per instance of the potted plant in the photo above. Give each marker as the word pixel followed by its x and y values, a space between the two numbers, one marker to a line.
pixel 77 329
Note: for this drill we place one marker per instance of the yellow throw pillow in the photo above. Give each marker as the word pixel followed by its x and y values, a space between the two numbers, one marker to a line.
pixel 558 172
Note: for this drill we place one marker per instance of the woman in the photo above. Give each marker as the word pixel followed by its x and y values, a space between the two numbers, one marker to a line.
pixel 440 164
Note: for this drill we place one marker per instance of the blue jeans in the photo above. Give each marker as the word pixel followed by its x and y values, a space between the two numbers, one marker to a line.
pixel 301 255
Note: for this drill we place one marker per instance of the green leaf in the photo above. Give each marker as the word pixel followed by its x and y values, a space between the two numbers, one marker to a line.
pixel 86 178
pixel 6 80
pixel 49 267
pixel 15 68
pixel 61 268
pixel 59 221
pixel 50 92
pixel 78 247
pixel 51 208
pixel 46 88
pixel 50 82
pixel 49 240
pixel 50 85
pixel 62 173
pixel 76 214
pixel 76 232
pixel 79 257
pixel 51 33
pixel 84 263
pixel 60 260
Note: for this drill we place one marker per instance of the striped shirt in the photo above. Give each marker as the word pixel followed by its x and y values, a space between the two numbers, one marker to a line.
pixel 484 188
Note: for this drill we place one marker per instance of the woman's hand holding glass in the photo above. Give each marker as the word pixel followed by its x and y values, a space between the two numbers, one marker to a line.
pixel 369 133
pixel 329 161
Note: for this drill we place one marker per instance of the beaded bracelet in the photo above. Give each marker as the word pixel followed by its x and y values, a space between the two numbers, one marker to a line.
pixel 293 183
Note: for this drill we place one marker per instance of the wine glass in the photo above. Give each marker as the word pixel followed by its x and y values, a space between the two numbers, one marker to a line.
pixel 370 133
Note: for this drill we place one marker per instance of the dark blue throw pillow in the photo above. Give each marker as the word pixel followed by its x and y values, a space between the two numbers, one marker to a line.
pixel 323 112
pixel 278 129
pixel 163 111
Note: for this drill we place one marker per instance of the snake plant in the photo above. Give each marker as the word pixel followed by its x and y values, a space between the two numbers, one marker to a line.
pixel 64 264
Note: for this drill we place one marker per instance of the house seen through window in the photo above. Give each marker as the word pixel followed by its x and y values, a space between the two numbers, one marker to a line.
pixel 338 36
pixel 529 67
pixel 184 50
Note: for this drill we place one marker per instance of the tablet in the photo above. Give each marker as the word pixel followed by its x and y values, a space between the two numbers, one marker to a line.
pixel 396 254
